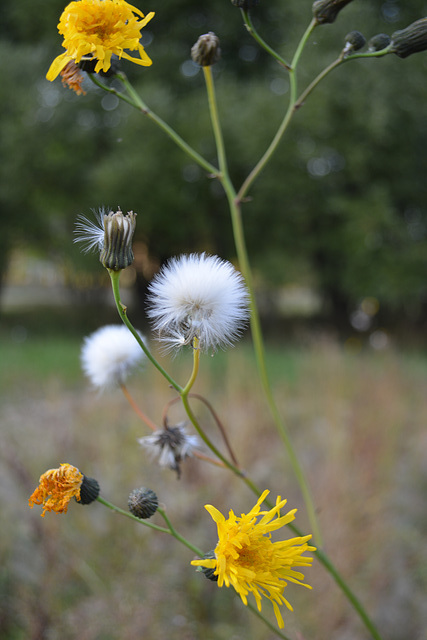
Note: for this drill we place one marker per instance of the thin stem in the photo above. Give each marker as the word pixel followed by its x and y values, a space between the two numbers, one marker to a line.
pixel 253 32
pixel 212 447
pixel 131 516
pixel 137 410
pixel 213 109
pixel 257 337
pixel 136 101
pixel 167 129
pixel 266 622
pixel 336 63
pixel 177 535
pixel 195 371
pixel 219 425
pixel 287 118
pixel 121 308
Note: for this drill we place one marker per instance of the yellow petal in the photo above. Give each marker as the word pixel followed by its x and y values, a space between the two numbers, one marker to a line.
pixel 57 65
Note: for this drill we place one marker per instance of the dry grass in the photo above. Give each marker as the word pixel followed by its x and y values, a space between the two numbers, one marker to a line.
pixel 358 424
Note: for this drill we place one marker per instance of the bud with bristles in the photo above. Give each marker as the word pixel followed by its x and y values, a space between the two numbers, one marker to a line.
pixel 325 11
pixel 206 51
pixel 143 503
pixel 410 40
pixel 116 253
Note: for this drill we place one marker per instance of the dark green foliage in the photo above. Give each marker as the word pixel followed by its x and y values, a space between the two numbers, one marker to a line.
pixel 342 204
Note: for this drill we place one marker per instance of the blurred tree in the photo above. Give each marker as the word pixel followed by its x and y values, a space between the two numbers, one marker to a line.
pixel 341 207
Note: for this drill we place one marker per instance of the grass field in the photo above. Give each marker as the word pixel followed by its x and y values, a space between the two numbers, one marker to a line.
pixel 357 421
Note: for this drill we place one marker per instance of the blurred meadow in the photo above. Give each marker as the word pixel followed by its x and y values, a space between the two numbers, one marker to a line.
pixel 337 229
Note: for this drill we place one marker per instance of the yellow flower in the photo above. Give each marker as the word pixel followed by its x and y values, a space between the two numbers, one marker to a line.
pixel 100 28
pixel 247 559
pixel 56 488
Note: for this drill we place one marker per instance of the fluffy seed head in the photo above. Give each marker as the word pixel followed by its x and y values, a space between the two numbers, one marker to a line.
pixel 109 355
pixel 198 297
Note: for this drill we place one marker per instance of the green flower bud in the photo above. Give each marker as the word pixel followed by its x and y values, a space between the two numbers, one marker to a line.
pixel 354 41
pixel 116 252
pixel 325 11
pixel 379 42
pixel 410 40
pixel 143 503
pixel 206 51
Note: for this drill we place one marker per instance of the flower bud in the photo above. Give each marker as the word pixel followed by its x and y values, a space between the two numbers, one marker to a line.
pixel 143 503
pixel 379 42
pixel 206 51
pixel 354 41
pixel 247 5
pixel 410 40
pixel 325 11
pixel 116 253
pixel 89 490
pixel 208 572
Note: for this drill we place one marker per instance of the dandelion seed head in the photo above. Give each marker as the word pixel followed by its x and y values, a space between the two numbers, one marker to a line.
pixel 171 446
pixel 198 296
pixel 109 355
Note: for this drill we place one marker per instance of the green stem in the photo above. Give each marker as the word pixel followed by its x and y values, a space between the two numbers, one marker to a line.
pixel 253 32
pixel 336 63
pixel 131 516
pixel 257 337
pixel 286 120
pixel 266 622
pixel 178 536
pixel 121 308
pixel 196 362
pixel 136 101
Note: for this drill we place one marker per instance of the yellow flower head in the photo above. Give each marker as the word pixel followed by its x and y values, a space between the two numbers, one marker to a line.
pixel 247 559
pixel 56 488
pixel 100 28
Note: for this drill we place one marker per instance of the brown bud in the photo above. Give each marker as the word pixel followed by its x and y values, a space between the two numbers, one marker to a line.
pixel 325 11
pixel 206 51
pixel 247 5
pixel 379 42
pixel 354 41
pixel 410 40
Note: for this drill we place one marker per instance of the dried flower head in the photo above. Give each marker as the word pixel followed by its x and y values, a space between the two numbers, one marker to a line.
pixel 100 28
pixel 109 355
pixel 72 78
pixel 56 488
pixel 171 446
pixel 111 235
pixel 246 558
pixel 206 51
pixel 198 298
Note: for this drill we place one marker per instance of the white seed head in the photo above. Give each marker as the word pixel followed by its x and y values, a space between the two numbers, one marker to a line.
pixel 198 296
pixel 109 355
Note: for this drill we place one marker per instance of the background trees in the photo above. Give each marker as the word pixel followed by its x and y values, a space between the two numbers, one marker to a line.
pixel 341 208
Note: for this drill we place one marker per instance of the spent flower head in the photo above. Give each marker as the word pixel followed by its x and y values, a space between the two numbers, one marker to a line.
pixel 109 355
pixel 326 11
pixel 246 558
pixel 198 300
pixel 171 445
pixel 111 235
pixel 100 28
pixel 58 486
pixel 206 51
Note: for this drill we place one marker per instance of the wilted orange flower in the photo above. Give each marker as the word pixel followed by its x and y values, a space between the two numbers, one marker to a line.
pixel 56 488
